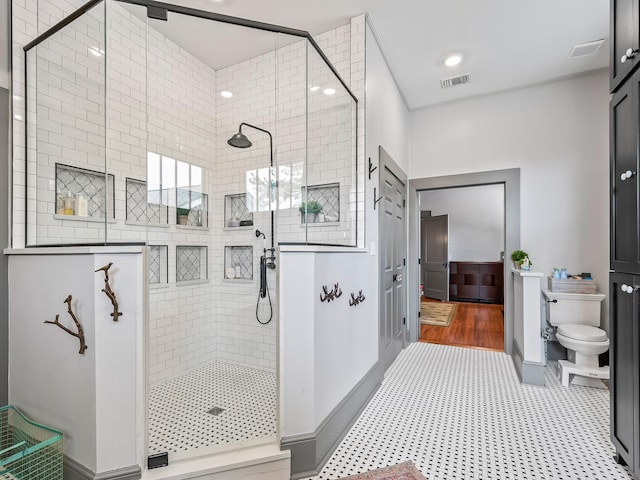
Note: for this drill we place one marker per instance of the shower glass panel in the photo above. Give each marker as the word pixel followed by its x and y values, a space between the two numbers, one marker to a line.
pixel 209 340
pixel 69 195
pixel 211 141
pixel 331 184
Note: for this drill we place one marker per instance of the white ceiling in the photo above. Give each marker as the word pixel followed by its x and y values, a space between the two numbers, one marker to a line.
pixel 506 44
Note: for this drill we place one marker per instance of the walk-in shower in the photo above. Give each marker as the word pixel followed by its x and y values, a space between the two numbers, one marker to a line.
pixel 129 106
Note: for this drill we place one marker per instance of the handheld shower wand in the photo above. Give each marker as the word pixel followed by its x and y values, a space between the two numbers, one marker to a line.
pixel 265 262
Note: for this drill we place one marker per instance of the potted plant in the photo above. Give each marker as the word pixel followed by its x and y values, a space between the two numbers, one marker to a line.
pixel 309 211
pixel 183 215
pixel 519 256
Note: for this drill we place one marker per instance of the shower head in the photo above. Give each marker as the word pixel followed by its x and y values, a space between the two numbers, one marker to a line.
pixel 260 234
pixel 239 140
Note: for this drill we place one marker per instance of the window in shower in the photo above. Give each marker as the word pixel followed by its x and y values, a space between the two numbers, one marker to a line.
pixel 178 185
pixel 261 185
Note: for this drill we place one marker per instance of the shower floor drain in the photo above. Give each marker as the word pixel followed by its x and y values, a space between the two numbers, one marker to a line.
pixel 216 411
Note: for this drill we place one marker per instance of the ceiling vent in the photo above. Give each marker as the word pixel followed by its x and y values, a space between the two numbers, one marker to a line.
pixel 453 81
pixel 588 48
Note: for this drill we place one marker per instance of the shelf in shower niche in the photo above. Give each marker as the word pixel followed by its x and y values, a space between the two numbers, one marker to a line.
pixel 78 218
pixel 320 224
pixel 191 227
pixel 238 263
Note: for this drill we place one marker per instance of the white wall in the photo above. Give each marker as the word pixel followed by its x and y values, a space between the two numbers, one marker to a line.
pixel 558 135
pixel 4 43
pixel 388 119
pixel 476 220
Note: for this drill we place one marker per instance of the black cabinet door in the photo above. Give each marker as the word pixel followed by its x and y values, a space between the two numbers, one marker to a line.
pixel 624 356
pixel 624 179
pixel 624 36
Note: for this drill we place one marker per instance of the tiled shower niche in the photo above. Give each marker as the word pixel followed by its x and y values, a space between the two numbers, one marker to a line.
pixel 328 196
pixel 191 263
pixel 236 212
pixel 94 187
pixel 194 205
pixel 238 262
pixel 158 264
pixel 144 206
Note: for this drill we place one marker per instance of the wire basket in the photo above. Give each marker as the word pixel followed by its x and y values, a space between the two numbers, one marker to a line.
pixel 28 450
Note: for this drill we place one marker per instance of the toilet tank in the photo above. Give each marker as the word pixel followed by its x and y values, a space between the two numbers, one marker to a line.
pixel 579 308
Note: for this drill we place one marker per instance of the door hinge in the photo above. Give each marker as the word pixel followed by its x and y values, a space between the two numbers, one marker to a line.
pixel 404 320
pixel 419 261
pixel 404 202
pixel 419 313
pixel 404 261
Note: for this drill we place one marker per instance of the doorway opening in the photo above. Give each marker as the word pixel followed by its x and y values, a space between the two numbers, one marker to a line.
pixel 462 267
pixel 474 297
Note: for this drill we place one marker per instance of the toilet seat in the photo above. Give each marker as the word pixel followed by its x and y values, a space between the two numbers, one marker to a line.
pixel 584 333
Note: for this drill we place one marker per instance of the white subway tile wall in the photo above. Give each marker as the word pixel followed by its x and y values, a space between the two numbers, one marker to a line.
pixel 159 98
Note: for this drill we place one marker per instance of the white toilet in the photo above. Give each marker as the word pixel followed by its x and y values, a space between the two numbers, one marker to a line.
pixel 576 317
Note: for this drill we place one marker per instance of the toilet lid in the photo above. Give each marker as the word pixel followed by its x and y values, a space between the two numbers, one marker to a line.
pixel 582 332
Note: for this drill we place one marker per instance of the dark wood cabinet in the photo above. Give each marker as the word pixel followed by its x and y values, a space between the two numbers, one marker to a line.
pixel 624 299
pixel 624 136
pixel 476 281
pixel 625 39
pixel 624 356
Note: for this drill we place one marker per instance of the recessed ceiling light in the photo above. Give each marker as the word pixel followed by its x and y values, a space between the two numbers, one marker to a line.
pixel 17 98
pixel 329 91
pixel 18 117
pixel 226 94
pixel 453 60
pixel 315 88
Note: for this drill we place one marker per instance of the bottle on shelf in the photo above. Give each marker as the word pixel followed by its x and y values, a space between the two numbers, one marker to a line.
pixel 60 205
pixel 237 270
pixel 81 206
pixel 69 204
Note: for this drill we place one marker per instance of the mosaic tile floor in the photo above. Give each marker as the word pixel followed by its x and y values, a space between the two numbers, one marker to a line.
pixel 179 418
pixel 460 413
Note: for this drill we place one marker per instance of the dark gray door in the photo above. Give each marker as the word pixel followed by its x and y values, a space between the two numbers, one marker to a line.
pixel 392 246
pixel 436 265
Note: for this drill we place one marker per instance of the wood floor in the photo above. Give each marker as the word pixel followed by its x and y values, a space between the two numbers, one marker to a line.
pixel 474 325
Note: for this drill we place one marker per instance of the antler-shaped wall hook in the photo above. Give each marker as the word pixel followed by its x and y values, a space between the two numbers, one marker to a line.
pixel 330 295
pixel 110 293
pixel 356 300
pixel 79 334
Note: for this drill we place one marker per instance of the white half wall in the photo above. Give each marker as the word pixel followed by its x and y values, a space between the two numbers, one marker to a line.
pixel 96 399
pixel 476 220
pixel 558 135
pixel 326 348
